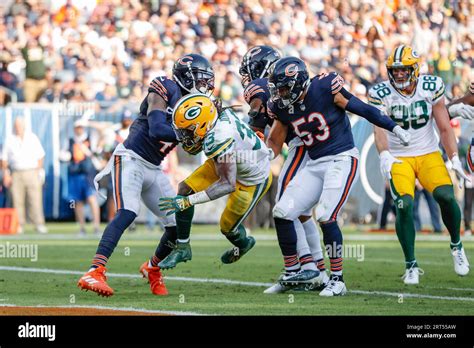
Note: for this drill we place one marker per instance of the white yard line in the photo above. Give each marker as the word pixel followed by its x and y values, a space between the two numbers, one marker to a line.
pixel 216 236
pixel 233 282
pixel 121 309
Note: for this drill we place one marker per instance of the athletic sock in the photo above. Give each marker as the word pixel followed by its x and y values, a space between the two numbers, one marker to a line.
pixel 238 238
pixel 302 247
pixel 405 226
pixel 114 230
pixel 314 239
pixel 286 235
pixel 307 262
pixel 450 211
pixel 410 264
pixel 332 236
pixel 183 224
pixel 166 245
pixel 321 265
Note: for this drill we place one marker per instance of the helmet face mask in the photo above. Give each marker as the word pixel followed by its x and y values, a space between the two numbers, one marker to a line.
pixel 401 77
pixel 256 63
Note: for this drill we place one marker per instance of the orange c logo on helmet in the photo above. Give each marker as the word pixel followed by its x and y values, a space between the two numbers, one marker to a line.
pixel 291 70
pixel 185 60
pixel 254 51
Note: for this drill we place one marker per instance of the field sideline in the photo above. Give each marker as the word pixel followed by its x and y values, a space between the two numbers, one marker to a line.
pixel 206 286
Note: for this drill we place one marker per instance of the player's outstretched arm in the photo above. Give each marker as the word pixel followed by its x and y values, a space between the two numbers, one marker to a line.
pixel 257 120
pixel 226 169
pixel 462 107
pixel 447 137
pixel 349 102
pixel 277 137
pixel 159 128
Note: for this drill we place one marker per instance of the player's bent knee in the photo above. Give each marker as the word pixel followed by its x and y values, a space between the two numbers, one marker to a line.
pixel 184 189
pixel 281 213
pixel 323 215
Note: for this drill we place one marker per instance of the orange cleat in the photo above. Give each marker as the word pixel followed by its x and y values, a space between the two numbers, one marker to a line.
pixel 155 279
pixel 96 281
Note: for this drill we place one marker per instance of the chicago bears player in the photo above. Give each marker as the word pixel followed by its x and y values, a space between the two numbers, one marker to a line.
pixel 464 107
pixel 238 165
pixel 254 71
pixel 315 110
pixel 136 171
pixel 416 103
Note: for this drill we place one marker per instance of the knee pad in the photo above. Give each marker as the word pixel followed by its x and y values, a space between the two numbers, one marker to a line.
pixel 281 211
pixel 322 213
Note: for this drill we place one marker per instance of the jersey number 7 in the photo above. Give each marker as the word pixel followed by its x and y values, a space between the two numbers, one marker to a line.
pixel 308 137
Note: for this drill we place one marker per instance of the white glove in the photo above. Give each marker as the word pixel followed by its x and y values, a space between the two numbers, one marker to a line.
pixel 462 110
pixel 386 162
pixel 458 169
pixel 402 134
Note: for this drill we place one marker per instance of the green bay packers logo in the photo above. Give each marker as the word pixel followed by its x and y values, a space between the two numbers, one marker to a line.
pixel 192 112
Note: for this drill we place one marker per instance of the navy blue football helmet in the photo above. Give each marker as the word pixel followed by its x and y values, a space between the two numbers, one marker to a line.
pixel 256 63
pixel 288 79
pixel 194 74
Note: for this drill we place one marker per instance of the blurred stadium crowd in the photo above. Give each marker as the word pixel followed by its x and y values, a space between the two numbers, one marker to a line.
pixel 107 51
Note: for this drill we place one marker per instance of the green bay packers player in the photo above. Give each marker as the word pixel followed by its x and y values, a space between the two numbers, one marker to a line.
pixel 416 103
pixel 238 165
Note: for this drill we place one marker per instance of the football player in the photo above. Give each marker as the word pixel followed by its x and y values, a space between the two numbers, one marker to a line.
pixel 416 103
pixel 315 111
pixel 254 71
pixel 136 172
pixel 464 107
pixel 238 165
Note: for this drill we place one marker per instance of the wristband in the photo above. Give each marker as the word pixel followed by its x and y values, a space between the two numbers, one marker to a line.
pixel 199 197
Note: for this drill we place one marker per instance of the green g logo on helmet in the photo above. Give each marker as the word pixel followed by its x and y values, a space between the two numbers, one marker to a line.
pixel 192 113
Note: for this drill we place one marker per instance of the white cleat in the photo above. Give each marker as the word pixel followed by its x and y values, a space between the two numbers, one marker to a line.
pixel 276 289
pixel 412 275
pixel 324 278
pixel 461 264
pixel 335 287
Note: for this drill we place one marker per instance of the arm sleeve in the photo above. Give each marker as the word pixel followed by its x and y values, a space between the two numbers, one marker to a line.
pixel 370 113
pixel 159 128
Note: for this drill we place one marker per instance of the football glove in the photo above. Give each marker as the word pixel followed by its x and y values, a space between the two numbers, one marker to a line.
pixel 461 110
pixel 402 134
pixel 386 163
pixel 174 204
pixel 459 170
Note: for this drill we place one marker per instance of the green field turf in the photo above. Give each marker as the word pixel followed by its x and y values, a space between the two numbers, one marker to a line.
pixel 374 284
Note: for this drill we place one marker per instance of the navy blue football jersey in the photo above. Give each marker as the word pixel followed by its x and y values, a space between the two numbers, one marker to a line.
pixel 323 127
pixel 258 88
pixel 138 139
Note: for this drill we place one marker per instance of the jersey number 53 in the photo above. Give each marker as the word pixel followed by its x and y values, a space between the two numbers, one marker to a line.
pixel 308 137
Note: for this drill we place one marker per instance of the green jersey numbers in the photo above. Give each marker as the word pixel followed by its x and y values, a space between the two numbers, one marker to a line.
pixel 429 83
pixel 382 90
pixel 245 131
pixel 416 115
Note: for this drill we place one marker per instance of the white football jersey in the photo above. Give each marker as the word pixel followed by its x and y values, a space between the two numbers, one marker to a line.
pixel 230 134
pixel 412 113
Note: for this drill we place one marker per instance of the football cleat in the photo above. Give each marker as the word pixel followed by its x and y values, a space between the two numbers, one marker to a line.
pixel 155 279
pixel 181 253
pixel 412 275
pixel 276 289
pixel 300 278
pixel 317 286
pixel 461 264
pixel 96 281
pixel 335 287
pixel 234 254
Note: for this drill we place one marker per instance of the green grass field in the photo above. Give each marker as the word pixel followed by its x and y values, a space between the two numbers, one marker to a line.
pixel 202 286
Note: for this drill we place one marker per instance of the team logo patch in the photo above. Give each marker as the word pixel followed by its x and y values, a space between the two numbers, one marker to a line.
pixel 192 113
pixel 291 70
pixel 415 54
pixel 185 60
pixel 254 51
